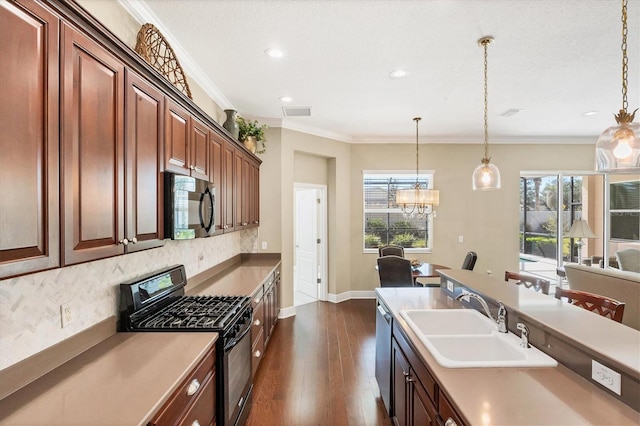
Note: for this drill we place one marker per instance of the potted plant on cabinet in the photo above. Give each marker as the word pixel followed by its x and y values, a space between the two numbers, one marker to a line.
pixel 251 133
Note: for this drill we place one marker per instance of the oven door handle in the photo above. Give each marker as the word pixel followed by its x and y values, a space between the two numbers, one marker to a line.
pixel 237 339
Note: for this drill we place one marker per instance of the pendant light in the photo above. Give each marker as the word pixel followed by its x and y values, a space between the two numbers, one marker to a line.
pixel 486 176
pixel 417 201
pixel 618 147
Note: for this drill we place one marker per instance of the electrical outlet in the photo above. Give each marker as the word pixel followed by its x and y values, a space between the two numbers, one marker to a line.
pixel 606 377
pixel 488 271
pixel 264 245
pixel 461 238
pixel 66 314
pixel 450 286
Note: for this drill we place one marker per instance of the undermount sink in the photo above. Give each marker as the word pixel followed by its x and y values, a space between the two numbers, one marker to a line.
pixel 464 338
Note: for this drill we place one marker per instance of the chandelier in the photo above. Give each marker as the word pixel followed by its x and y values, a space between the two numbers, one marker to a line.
pixel 486 176
pixel 417 201
pixel 618 147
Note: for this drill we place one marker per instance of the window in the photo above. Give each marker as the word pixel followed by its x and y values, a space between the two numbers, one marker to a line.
pixel 384 223
pixel 625 210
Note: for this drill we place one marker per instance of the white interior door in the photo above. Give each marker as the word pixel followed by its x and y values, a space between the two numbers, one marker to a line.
pixel 306 246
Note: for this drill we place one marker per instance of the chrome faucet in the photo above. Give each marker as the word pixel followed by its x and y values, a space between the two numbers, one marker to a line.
pixel 501 321
pixel 524 335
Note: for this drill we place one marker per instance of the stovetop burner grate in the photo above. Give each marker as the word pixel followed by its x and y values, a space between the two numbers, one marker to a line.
pixel 195 312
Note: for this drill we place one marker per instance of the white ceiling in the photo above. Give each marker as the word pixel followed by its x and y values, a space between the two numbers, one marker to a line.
pixel 553 59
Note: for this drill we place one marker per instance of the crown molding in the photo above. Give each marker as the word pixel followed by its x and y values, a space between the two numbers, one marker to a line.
pixel 141 13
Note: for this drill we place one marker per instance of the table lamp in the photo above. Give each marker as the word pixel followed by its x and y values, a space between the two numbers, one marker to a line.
pixel 580 229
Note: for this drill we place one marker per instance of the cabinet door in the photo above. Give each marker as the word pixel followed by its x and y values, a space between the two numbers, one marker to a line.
pixel 400 376
pixel 199 155
pixel 215 177
pixel 254 213
pixel 29 167
pixel 423 411
pixel 92 151
pixel 228 205
pixel 144 184
pixel 239 190
pixel 176 141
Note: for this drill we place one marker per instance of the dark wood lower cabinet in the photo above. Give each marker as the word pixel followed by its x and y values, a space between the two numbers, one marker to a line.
pixel 412 405
pixel 416 398
pixel 195 399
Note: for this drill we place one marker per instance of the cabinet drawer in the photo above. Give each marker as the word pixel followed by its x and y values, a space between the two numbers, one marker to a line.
pixel 203 409
pixel 258 322
pixel 257 352
pixel 186 394
pixel 446 410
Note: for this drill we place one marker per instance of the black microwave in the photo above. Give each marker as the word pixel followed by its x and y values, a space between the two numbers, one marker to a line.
pixel 189 207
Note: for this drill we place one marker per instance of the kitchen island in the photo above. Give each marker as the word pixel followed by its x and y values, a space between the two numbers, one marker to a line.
pixel 489 396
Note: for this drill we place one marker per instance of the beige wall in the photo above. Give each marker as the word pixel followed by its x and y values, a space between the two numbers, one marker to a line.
pixel 309 169
pixel 489 221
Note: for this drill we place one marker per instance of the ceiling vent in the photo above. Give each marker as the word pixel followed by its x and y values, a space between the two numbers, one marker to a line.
pixel 296 111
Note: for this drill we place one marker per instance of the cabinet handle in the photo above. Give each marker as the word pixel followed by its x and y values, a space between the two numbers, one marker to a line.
pixel 244 223
pixel 257 354
pixel 195 423
pixel 133 240
pixel 450 422
pixel 192 167
pixel 124 242
pixel 193 387
pixel 257 322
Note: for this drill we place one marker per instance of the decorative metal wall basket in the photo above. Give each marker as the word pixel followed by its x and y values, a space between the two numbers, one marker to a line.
pixel 157 51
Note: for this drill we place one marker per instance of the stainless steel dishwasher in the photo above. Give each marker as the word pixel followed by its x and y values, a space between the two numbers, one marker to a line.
pixel 383 353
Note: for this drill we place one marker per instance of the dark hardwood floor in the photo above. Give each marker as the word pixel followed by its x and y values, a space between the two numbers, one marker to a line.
pixel 319 369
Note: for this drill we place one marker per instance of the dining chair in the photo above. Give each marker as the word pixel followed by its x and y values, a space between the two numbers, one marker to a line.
pixel 593 302
pixel 391 250
pixel 538 284
pixel 395 271
pixel 470 261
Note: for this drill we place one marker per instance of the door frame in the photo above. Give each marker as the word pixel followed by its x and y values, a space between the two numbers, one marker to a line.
pixel 321 192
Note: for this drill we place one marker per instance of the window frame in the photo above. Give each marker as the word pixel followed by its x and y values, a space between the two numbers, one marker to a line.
pixel 429 176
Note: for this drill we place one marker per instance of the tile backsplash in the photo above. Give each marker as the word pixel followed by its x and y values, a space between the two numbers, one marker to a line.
pixel 30 318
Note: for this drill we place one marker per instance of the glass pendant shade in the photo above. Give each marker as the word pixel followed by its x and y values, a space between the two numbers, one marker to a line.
pixel 486 177
pixel 618 148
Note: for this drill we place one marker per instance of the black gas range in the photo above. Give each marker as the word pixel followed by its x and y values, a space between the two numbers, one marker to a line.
pixel 157 302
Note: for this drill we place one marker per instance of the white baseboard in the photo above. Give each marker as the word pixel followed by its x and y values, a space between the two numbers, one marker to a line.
pixel 333 298
pixel 347 295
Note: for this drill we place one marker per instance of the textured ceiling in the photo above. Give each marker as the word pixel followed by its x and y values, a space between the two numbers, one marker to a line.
pixel 553 59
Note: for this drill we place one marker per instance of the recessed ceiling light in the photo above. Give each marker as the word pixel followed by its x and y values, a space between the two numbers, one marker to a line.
pixel 398 73
pixel 590 113
pixel 510 112
pixel 285 99
pixel 274 53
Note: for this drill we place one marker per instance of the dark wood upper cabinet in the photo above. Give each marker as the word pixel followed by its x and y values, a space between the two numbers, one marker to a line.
pixel 199 150
pixel 144 184
pixel 92 149
pixel 228 183
pixel 176 148
pixel 215 177
pixel 29 166
pixel 186 143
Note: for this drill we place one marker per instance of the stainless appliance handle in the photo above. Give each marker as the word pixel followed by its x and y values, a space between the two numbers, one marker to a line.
pixel 237 339
pixel 384 314
pixel 209 199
